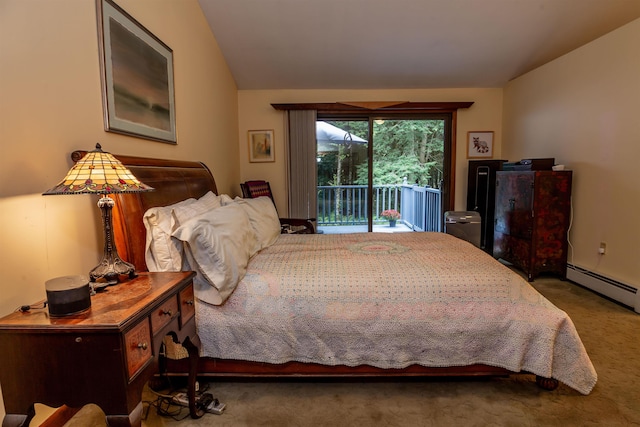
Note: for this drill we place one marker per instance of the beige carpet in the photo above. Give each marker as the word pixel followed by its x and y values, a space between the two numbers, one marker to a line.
pixel 610 333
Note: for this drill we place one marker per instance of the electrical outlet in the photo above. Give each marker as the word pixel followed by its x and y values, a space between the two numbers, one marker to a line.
pixel 603 248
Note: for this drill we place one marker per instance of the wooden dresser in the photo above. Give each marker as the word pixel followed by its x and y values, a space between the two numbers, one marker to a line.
pixel 532 216
pixel 104 355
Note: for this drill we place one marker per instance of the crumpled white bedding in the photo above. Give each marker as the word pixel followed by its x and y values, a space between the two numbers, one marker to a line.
pixel 390 301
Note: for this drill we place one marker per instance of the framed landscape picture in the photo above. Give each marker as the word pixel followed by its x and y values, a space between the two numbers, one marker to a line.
pixel 480 145
pixel 261 146
pixel 137 77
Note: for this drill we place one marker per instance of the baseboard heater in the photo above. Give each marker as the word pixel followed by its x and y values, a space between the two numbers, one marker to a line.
pixel 614 289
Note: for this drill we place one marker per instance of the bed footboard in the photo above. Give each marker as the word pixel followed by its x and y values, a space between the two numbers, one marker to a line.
pixel 222 368
pixel 210 367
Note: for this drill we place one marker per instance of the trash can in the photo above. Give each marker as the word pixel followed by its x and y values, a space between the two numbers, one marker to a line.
pixel 465 225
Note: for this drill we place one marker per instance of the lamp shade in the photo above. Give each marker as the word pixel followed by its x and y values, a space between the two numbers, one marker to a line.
pixel 101 173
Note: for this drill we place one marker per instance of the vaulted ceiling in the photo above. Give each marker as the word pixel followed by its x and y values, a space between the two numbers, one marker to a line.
pixel 385 44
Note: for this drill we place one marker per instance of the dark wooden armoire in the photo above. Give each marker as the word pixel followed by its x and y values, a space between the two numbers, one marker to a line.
pixel 532 215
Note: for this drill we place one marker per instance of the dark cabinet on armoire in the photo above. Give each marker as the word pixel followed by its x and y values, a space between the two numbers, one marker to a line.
pixel 481 194
pixel 532 215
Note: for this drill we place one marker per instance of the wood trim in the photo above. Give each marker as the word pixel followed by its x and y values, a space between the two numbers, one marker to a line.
pixel 396 107
pixel 452 173
pixel 239 368
pixel 144 161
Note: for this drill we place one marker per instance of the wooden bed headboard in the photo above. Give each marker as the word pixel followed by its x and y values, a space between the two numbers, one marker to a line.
pixel 173 180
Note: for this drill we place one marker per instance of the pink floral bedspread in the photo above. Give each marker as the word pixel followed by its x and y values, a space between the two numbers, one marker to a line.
pixel 392 300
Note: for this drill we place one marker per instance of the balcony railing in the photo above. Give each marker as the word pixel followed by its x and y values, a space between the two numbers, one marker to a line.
pixel 419 207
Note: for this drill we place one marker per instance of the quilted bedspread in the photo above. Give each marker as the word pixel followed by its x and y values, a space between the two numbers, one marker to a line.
pixel 390 301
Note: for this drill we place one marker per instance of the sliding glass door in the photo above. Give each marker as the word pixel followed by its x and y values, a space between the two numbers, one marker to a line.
pixel 343 174
pixel 408 173
pixel 382 174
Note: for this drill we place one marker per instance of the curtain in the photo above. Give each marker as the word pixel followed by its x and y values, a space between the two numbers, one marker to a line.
pixel 302 176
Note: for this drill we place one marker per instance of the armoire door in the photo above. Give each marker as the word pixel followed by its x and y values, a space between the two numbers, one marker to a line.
pixel 514 217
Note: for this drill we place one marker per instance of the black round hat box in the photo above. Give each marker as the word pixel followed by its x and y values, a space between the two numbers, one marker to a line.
pixel 68 295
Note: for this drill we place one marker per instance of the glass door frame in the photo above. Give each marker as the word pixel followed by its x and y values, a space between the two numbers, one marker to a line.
pixel 449 166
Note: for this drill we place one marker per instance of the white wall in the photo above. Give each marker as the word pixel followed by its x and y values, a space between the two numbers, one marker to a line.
pixel 256 113
pixel 582 109
pixel 50 105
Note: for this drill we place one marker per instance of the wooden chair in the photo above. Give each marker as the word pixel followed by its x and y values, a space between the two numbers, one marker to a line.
pixel 257 188
pixel 253 189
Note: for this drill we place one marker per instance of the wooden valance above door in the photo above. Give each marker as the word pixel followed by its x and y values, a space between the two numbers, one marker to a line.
pixel 378 107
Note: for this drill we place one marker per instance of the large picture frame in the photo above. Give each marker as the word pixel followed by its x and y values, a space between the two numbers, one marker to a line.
pixel 137 77
pixel 261 146
pixel 480 145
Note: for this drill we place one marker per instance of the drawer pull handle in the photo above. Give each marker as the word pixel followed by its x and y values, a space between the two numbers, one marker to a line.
pixel 167 312
pixel 143 345
pixel 189 302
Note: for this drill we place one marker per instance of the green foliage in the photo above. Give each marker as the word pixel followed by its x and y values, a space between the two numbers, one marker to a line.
pixel 408 148
pixel 327 168
pixel 411 149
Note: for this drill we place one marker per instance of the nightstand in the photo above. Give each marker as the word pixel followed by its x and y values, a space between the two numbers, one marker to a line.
pixel 104 356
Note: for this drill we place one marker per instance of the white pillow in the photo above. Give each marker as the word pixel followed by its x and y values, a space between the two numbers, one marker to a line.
pixel 263 218
pixel 219 244
pixel 225 199
pixel 209 201
pixel 162 252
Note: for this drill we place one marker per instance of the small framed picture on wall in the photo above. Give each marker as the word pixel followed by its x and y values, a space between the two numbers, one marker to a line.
pixel 261 146
pixel 480 145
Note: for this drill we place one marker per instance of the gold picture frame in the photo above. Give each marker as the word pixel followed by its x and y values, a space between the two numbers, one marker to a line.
pixel 261 149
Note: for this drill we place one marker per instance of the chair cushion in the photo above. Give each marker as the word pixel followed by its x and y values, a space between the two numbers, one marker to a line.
pixel 258 188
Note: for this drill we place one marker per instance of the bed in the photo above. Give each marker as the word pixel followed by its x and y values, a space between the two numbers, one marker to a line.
pixel 465 315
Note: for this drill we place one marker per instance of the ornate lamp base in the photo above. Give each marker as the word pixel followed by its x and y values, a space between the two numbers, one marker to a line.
pixel 111 266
